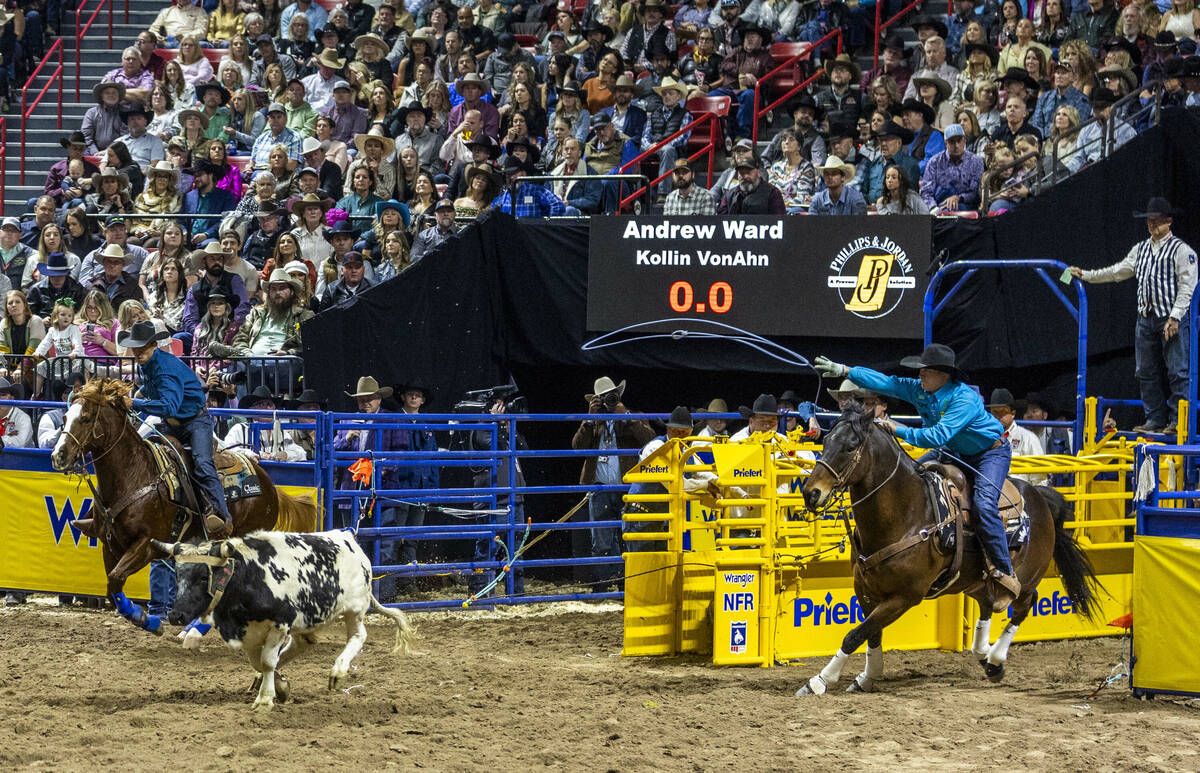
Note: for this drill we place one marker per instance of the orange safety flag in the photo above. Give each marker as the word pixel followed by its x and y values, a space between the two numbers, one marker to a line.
pixel 361 471
pixel 1124 621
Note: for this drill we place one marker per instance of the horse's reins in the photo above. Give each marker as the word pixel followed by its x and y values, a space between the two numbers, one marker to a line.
pixel 841 480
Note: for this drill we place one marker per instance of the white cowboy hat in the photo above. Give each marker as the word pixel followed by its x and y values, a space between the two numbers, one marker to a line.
pixel 670 83
pixel 115 251
pixel 376 133
pixel 604 385
pixel 835 164
pixel 163 167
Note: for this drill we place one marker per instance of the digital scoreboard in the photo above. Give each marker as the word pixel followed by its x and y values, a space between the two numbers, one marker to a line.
pixel 784 276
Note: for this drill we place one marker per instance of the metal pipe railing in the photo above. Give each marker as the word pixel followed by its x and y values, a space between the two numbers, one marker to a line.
pixel 80 32
pixel 794 63
pixel 709 148
pixel 881 26
pixel 27 108
pixel 4 159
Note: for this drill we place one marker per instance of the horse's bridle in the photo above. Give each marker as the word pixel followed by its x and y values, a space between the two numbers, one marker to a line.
pixel 95 434
pixel 841 480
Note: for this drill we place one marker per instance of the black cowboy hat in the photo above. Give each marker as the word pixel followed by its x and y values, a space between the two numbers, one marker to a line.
pixel 308 396
pixel 514 164
pixel 1158 206
pixel 936 357
pixel 414 387
pixel 204 88
pixel 893 129
pixel 137 108
pixel 140 334
pixel 7 387
pixel 259 394
pixel 762 404
pixel 1001 398
pixel 895 41
pixel 603 29
pixel 1102 96
pixel 992 53
pixel 402 113
pixel 1019 74
pixel 341 227
pixel 806 100
pixel 925 20
pixel 1040 400
pixel 925 110
pixel 487 143
pixel 790 396
pixel 681 418
pixel 1165 40
pixel 74 138
pixel 1118 42
pixel 534 151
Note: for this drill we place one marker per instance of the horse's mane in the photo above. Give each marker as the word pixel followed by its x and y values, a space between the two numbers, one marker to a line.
pixel 103 390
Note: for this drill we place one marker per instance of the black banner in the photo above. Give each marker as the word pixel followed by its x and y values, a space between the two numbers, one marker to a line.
pixel 779 276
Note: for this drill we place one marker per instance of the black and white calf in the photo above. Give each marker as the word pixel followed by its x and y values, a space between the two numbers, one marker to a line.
pixel 268 592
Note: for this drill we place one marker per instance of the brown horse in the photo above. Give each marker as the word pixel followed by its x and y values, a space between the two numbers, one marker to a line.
pixel 131 503
pixel 893 515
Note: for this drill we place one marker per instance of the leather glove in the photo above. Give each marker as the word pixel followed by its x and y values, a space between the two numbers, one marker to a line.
pixel 830 369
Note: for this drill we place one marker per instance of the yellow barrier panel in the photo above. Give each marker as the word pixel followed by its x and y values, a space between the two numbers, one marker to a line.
pixel 778 584
pixel 39 551
pixel 1166 594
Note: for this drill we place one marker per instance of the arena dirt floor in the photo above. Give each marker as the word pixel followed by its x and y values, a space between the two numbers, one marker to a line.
pixel 545 687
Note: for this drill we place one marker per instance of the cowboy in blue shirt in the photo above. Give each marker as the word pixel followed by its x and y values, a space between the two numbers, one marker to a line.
pixel 958 426
pixel 531 200
pixel 171 391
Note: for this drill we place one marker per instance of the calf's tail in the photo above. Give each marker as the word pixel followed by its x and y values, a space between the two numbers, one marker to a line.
pixel 405 634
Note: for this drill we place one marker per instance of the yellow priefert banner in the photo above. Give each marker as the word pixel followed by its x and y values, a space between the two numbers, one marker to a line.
pixel 1166 613
pixel 39 551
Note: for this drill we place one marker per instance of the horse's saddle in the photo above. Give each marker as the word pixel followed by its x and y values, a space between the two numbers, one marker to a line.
pixel 236 471
pixel 950 492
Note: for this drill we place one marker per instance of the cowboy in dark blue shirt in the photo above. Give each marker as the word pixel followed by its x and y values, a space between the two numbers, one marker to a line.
pixel 954 420
pixel 171 391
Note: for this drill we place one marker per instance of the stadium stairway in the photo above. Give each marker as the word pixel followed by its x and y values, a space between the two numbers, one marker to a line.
pixel 96 57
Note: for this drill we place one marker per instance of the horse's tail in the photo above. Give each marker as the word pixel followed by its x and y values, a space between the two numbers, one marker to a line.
pixel 405 635
pixel 1078 576
pixel 296 513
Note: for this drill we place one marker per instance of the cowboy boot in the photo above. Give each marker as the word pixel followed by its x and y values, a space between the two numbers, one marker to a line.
pixel 216 526
pixel 1005 589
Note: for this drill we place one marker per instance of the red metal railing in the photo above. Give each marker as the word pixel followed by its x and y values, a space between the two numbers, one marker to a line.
pixel 881 26
pixel 81 31
pixel 3 159
pixel 27 107
pixel 708 148
pixel 789 63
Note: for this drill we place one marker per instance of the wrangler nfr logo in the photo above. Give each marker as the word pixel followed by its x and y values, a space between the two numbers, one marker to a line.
pixel 883 274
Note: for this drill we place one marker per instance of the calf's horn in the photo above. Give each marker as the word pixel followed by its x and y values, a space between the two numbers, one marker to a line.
pixel 164 547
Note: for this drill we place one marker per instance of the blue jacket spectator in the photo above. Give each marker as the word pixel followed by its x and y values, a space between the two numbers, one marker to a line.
pixel 206 199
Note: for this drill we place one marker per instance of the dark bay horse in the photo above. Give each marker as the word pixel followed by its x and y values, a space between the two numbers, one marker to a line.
pixel 135 507
pixel 890 506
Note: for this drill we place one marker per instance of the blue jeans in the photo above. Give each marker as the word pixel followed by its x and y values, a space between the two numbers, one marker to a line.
pixel 162 587
pixel 990 470
pixel 1162 368
pixel 666 162
pixel 198 433
pixel 606 540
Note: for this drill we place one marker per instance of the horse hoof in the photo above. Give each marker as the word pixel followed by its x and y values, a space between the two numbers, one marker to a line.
pixel 994 673
pixel 858 686
pixel 333 683
pixel 283 688
pixel 265 705
pixel 815 686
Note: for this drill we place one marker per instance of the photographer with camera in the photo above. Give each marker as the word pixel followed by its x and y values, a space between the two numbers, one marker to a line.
pixel 496 401
pixel 607 469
